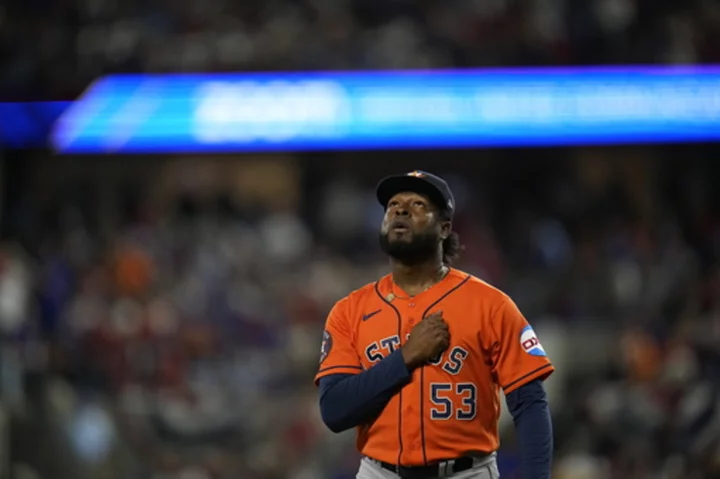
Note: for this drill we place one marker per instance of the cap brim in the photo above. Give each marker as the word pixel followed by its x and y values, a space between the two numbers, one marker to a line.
pixel 392 185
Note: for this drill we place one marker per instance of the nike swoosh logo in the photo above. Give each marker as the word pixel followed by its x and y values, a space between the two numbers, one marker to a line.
pixel 370 315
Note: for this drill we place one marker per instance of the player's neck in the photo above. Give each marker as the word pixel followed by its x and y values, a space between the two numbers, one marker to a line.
pixel 414 279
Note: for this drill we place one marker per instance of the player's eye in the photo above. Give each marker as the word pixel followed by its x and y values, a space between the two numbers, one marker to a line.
pixel 392 204
pixel 419 204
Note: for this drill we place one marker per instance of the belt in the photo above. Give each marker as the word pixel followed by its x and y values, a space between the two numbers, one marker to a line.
pixel 433 471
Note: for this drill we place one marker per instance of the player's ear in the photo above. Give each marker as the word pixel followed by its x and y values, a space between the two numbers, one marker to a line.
pixel 445 230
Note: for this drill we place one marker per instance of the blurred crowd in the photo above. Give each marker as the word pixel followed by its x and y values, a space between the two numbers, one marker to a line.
pixel 161 319
pixel 176 336
pixel 54 49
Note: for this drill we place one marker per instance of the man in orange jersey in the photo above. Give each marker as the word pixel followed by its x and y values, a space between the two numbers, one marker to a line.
pixel 416 360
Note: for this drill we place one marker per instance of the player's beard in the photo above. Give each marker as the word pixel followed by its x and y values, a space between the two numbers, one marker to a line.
pixel 421 247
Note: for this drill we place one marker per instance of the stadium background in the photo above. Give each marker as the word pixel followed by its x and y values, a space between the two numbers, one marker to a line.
pixel 161 315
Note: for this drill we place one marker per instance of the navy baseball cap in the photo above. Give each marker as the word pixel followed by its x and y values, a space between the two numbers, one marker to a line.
pixel 432 186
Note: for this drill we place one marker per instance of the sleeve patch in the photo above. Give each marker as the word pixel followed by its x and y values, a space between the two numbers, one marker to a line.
pixel 326 346
pixel 530 343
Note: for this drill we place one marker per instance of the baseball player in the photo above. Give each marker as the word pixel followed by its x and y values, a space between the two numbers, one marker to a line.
pixel 416 360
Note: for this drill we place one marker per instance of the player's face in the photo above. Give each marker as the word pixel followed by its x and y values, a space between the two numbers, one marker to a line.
pixel 411 230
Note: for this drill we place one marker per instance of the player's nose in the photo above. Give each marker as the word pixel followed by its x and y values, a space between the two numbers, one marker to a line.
pixel 402 210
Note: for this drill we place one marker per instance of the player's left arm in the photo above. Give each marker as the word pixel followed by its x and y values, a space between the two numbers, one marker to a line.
pixel 521 365
pixel 533 425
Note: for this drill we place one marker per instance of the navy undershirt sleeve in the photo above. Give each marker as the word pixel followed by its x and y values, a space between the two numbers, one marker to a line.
pixel 348 400
pixel 528 406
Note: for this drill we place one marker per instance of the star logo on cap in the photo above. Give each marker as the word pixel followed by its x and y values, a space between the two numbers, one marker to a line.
pixel 416 174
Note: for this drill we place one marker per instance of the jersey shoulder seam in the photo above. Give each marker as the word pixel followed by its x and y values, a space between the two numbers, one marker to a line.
pixel 360 293
pixel 485 287
pixel 498 297
pixel 348 303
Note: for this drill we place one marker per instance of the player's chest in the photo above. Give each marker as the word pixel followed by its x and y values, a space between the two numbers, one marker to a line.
pixel 386 327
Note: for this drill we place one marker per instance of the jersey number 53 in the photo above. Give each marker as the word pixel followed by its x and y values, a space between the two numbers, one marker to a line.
pixel 453 401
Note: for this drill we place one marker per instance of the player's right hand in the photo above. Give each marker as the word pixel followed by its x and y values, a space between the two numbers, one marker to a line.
pixel 428 339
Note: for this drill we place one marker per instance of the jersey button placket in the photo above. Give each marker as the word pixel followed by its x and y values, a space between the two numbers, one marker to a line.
pixel 411 406
pixel 409 327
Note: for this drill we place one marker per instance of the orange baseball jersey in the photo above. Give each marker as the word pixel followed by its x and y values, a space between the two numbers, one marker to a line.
pixel 451 406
